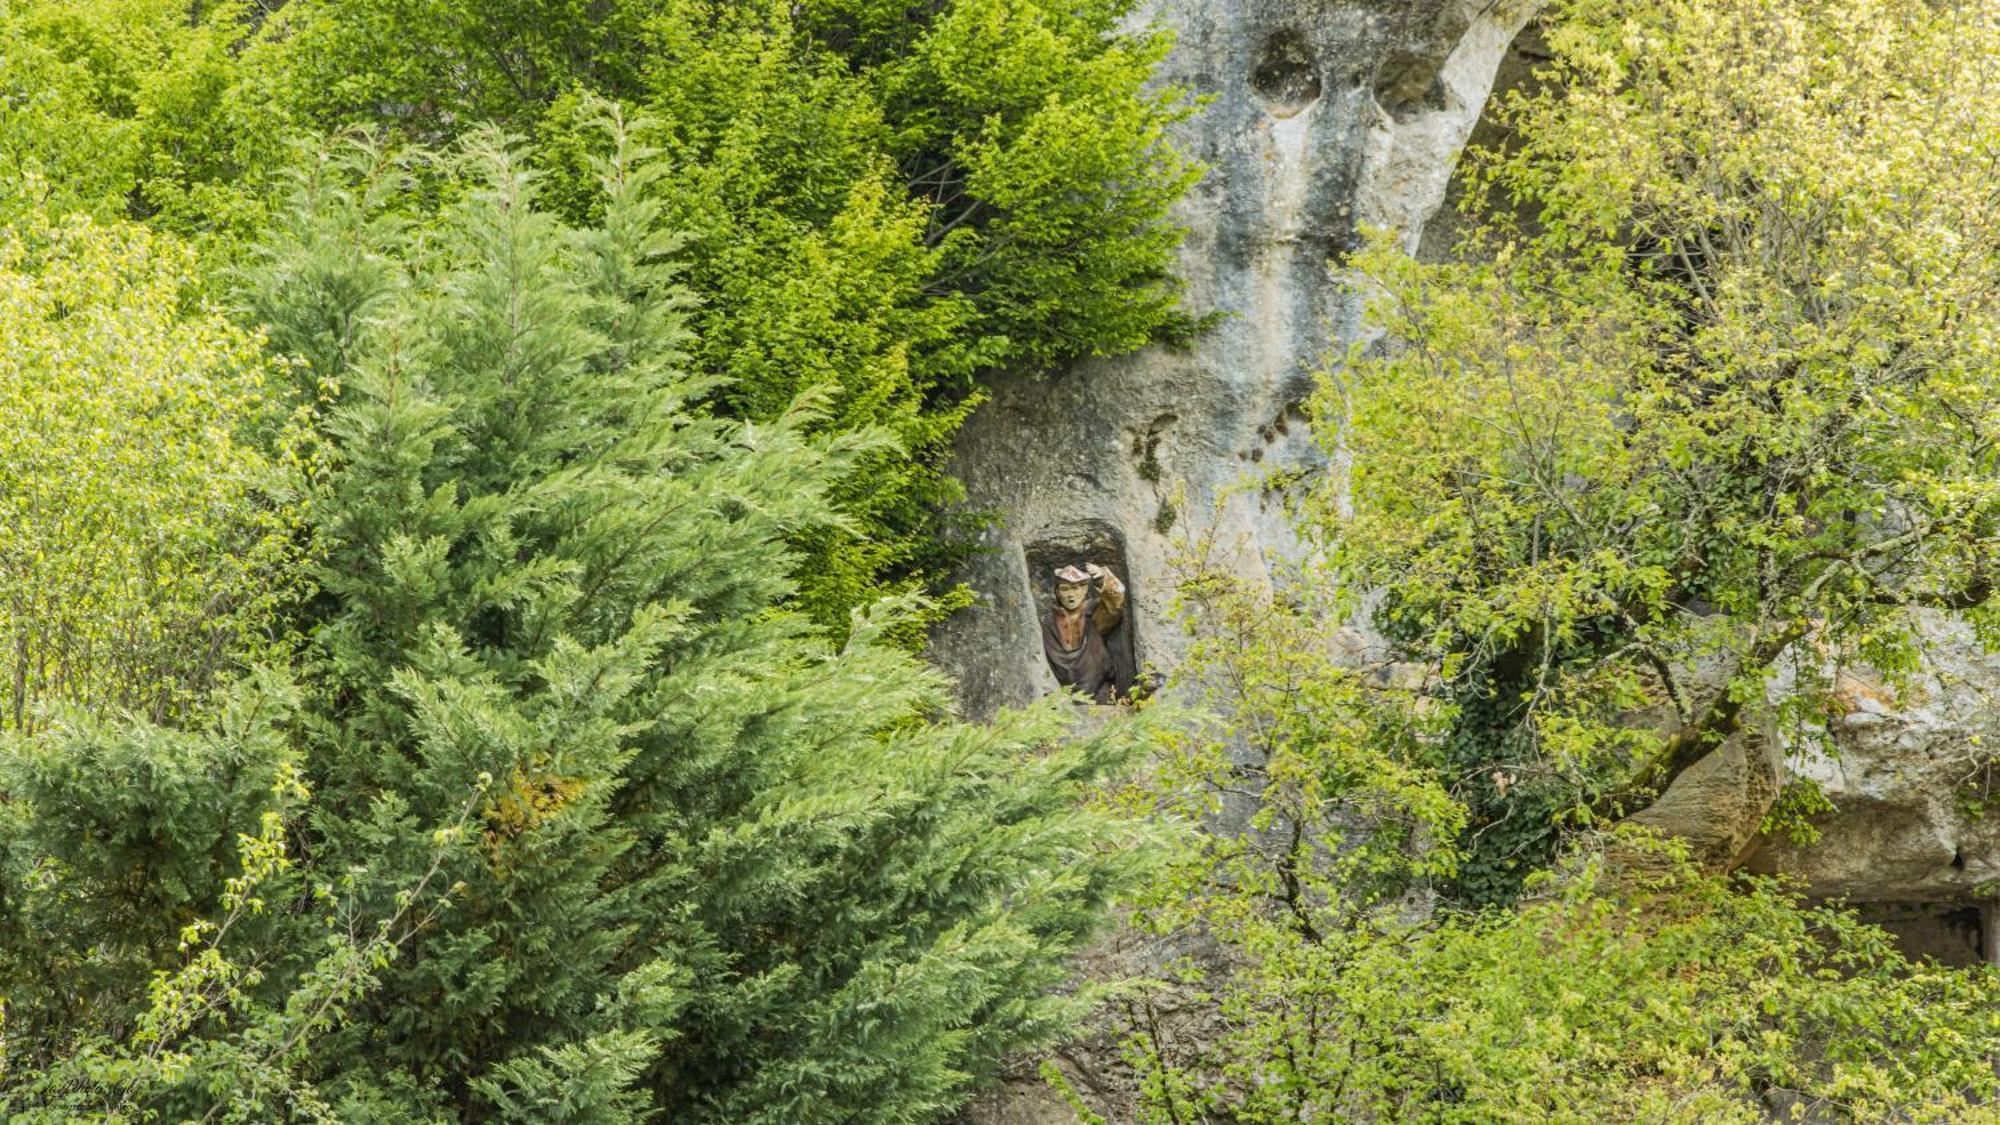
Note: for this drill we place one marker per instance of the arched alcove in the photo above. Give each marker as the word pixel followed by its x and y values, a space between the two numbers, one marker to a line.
pixel 1081 544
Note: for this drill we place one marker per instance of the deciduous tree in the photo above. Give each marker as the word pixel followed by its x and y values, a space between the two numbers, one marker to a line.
pixel 141 475
pixel 1712 392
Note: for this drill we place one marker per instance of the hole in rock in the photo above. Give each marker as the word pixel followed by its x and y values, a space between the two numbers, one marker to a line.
pixel 1081 545
pixel 1287 74
pixel 1949 932
pixel 1407 83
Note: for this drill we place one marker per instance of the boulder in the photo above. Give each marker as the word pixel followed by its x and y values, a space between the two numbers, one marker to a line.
pixel 1719 804
pixel 1911 773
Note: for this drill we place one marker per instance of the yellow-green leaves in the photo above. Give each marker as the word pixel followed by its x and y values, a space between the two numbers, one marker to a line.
pixel 137 108
pixel 1674 997
pixel 137 539
pixel 1713 382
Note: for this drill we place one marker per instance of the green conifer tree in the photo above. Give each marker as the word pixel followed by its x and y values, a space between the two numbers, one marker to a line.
pixel 712 867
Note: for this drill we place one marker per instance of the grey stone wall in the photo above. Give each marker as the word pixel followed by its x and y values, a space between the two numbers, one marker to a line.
pixel 1323 116
pixel 1913 774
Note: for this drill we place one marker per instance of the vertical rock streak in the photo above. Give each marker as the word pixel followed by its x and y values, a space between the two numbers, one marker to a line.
pixel 1320 118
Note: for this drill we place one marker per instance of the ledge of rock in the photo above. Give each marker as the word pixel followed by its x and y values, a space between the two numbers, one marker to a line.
pixel 1718 804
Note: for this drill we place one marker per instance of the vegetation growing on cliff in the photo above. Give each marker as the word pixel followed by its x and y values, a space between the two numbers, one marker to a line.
pixel 477 470
pixel 1705 411
pixel 1720 406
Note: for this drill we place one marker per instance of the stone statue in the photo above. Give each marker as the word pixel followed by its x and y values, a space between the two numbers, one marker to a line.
pixel 1088 611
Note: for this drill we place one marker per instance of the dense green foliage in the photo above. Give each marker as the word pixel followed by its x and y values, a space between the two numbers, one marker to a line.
pixel 1713 395
pixel 1016 134
pixel 1680 999
pixel 595 826
pixel 423 695
pixel 145 540
pixel 135 108
pixel 893 205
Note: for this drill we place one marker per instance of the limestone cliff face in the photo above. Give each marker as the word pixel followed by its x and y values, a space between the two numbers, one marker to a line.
pixel 1914 779
pixel 1324 115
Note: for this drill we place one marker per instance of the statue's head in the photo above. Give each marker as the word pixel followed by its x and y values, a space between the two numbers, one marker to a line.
pixel 1072 587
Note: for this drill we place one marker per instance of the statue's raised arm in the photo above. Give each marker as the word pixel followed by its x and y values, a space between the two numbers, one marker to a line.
pixel 1110 602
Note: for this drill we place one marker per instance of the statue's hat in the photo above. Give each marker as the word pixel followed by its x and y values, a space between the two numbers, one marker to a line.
pixel 1071 574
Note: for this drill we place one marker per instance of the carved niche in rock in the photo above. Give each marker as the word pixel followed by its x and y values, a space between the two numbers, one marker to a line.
pixel 1082 601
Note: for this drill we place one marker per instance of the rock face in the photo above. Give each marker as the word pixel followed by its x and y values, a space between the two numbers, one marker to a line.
pixel 1915 783
pixel 1718 804
pixel 1913 775
pixel 1325 115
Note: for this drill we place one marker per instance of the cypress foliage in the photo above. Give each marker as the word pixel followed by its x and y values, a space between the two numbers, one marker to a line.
pixel 634 837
